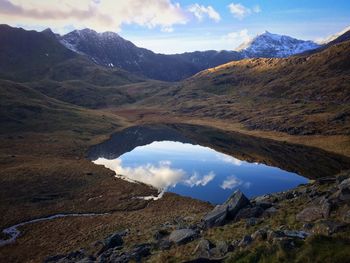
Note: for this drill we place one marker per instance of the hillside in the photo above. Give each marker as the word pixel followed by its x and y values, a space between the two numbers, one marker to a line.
pixel 296 95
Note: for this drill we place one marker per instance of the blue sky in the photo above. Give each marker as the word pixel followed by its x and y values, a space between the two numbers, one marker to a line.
pixel 168 26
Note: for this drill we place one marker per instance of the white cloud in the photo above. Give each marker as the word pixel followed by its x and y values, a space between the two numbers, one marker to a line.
pixel 238 37
pixel 199 11
pixel 230 182
pixel 196 180
pixel 101 15
pixel 240 11
pixel 256 9
pixel 229 159
pixel 161 176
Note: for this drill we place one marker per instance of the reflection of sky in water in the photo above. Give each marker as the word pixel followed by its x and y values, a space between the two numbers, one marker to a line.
pixel 199 172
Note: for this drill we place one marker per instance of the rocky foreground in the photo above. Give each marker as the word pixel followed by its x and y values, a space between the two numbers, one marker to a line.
pixel 308 224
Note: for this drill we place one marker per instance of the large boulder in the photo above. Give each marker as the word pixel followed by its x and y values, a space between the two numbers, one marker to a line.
pixel 202 250
pixel 249 212
pixel 320 208
pixel 227 211
pixel 182 236
pixel 113 241
pixel 344 190
pixel 235 202
pixel 216 217
pixel 219 250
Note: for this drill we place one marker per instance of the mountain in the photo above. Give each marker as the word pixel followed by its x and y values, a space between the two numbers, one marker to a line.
pixel 268 45
pixel 333 40
pixel 111 50
pixel 302 94
pixel 32 56
pixel 334 36
pixel 27 54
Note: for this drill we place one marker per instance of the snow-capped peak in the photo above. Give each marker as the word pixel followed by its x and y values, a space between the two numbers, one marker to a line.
pixel 330 38
pixel 273 45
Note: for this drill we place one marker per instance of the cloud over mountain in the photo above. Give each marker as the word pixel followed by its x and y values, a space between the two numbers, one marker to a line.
pixel 102 15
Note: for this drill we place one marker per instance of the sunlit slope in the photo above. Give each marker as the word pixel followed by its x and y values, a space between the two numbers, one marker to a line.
pixel 297 95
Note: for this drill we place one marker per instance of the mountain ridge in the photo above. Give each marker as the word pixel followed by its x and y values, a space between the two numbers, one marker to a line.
pixel 110 50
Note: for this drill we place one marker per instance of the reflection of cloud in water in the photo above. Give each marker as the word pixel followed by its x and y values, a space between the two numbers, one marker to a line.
pixel 196 180
pixel 229 159
pixel 161 176
pixel 232 181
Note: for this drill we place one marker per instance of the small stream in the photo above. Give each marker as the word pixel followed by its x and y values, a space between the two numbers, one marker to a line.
pixel 14 233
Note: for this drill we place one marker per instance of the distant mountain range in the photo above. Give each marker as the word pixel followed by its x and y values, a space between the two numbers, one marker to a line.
pixel 30 50
pixel 111 50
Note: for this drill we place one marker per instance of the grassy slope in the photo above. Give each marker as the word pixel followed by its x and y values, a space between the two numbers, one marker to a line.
pixel 43 142
pixel 297 95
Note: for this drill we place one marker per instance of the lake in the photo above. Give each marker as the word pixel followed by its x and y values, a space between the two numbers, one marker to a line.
pixel 199 172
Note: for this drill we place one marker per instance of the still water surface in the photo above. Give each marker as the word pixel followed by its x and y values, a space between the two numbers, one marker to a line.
pixel 199 172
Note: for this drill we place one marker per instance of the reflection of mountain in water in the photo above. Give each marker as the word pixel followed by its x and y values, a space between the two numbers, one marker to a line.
pixel 307 161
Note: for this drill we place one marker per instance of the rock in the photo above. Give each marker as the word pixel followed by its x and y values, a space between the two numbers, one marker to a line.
pixel 164 244
pixel 235 202
pixel 140 251
pixel 115 256
pixel 259 235
pixel 341 177
pixel 284 242
pixel 264 205
pixel 345 184
pixel 271 234
pixel 328 227
pixel 270 211
pixel 114 240
pixel 262 198
pixel 227 210
pixel 344 190
pixel 249 212
pixel 202 250
pixel 326 180
pixel 318 210
pixel 346 216
pixel 182 236
pixel 246 241
pixel 72 257
pixel 219 250
pixel 252 221
pixel 289 195
pixel 204 260
pixel 308 226
pixel 216 217
pixel 159 234
pixel 234 244
pixel 296 234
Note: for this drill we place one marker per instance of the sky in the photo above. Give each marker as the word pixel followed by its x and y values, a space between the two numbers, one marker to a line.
pixel 176 26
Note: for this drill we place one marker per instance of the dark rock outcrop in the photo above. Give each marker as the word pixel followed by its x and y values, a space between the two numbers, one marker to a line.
pixel 227 211
pixel 182 236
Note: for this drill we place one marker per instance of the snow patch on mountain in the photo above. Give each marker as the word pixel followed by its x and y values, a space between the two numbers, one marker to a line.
pixel 274 45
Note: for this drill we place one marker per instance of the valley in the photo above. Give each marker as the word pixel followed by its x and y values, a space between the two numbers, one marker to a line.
pixel 291 113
